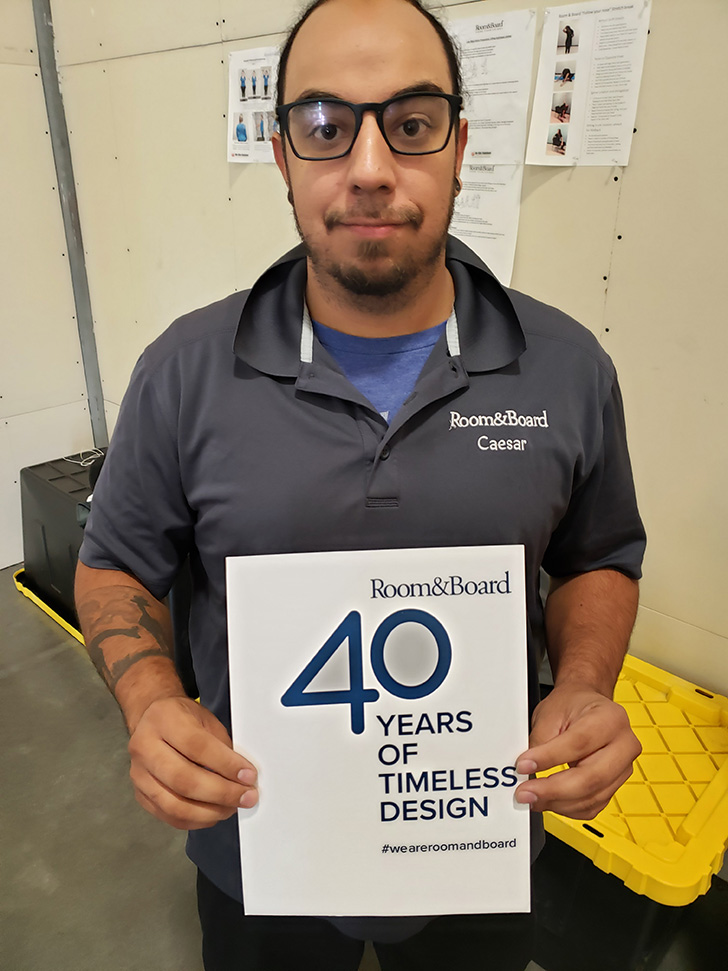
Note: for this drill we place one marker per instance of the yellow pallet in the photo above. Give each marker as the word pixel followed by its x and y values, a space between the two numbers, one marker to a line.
pixel 21 586
pixel 665 830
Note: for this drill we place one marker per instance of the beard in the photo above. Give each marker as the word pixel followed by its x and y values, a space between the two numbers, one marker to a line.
pixel 374 275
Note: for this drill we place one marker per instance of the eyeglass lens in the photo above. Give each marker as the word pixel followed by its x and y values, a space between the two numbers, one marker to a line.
pixel 412 126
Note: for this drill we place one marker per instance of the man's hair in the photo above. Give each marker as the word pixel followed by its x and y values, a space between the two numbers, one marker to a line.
pixel 448 45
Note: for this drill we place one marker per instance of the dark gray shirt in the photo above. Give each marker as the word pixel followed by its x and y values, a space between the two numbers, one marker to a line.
pixel 227 443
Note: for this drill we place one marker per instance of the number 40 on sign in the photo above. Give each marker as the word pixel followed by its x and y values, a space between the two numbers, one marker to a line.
pixel 356 696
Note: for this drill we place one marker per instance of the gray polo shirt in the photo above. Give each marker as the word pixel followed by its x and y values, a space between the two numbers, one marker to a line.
pixel 236 437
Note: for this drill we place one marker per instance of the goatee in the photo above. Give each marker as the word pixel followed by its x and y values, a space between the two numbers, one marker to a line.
pixel 374 276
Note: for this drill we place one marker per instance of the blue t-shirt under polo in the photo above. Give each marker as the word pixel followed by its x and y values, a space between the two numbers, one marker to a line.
pixel 384 369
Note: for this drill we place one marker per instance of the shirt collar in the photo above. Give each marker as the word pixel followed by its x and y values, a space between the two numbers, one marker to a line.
pixel 268 336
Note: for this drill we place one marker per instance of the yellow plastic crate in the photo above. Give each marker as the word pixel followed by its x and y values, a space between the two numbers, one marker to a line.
pixel 665 830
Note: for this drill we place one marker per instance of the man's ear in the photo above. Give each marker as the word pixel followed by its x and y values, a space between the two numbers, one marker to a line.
pixel 461 143
pixel 280 156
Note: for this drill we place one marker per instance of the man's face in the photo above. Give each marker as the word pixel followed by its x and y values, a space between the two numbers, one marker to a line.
pixel 374 222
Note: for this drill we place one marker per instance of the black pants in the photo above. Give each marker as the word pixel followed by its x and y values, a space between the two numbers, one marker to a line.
pixel 234 942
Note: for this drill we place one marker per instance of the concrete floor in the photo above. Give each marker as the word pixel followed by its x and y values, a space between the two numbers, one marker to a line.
pixel 90 881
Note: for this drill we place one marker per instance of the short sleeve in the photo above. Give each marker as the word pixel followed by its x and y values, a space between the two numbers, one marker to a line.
pixel 601 528
pixel 140 522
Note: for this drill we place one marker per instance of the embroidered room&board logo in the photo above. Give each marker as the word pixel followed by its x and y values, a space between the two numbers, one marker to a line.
pixel 499 419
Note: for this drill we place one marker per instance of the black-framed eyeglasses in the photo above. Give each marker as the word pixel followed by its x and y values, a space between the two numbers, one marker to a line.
pixel 411 124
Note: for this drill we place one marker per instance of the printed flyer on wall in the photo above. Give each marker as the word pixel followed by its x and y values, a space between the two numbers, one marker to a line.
pixel 496 54
pixel 383 697
pixel 486 214
pixel 251 104
pixel 496 57
pixel 588 82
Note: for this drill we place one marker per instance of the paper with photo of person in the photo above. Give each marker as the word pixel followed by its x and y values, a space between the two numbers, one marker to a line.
pixel 588 82
pixel 251 104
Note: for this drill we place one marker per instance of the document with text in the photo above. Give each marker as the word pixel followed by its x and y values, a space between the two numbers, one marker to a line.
pixel 588 82
pixel 487 212
pixel 383 697
pixel 496 54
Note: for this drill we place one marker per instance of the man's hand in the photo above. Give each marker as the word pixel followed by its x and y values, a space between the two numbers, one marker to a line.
pixel 589 617
pixel 577 725
pixel 183 766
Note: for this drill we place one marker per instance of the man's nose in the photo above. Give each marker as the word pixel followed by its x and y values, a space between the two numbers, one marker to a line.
pixel 371 161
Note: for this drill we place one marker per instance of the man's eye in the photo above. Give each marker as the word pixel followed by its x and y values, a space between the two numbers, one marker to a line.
pixel 412 127
pixel 327 132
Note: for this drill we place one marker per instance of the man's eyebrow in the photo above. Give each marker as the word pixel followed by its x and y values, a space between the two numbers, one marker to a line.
pixel 316 95
pixel 420 87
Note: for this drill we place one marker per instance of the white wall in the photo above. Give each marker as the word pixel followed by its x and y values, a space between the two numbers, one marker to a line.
pixel 43 411
pixel 664 323
pixel 169 225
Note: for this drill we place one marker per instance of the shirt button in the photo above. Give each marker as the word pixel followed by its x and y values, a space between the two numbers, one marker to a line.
pixel 384 454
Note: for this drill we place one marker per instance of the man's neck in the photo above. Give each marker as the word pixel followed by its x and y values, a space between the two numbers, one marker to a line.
pixel 426 304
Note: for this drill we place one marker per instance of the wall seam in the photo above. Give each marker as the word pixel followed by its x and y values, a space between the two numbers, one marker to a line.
pixel 36 411
pixel 686 623
pixel 171 50
pixel 608 270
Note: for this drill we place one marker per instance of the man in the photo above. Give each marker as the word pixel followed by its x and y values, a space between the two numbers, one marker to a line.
pixel 253 427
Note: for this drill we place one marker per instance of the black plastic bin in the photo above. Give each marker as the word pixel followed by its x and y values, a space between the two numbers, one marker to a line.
pixel 54 499
pixel 587 920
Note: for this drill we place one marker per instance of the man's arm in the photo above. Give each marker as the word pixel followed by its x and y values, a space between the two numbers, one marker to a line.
pixel 183 766
pixel 589 618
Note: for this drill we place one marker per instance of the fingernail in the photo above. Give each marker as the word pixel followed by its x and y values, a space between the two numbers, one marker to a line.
pixel 249 799
pixel 247 777
pixel 526 767
pixel 526 797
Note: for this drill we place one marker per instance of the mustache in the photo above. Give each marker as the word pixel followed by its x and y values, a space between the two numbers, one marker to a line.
pixel 402 215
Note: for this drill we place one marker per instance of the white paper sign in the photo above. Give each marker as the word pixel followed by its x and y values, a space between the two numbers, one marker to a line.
pixel 496 53
pixel 496 56
pixel 486 214
pixel 587 85
pixel 383 697
pixel 252 79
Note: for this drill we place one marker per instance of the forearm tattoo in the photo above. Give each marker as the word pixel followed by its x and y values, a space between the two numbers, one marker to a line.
pixel 120 615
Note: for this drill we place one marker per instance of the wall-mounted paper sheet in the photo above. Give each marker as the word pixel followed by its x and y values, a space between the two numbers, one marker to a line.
pixel 251 104
pixel 588 81
pixel 496 59
pixel 486 214
pixel 382 694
